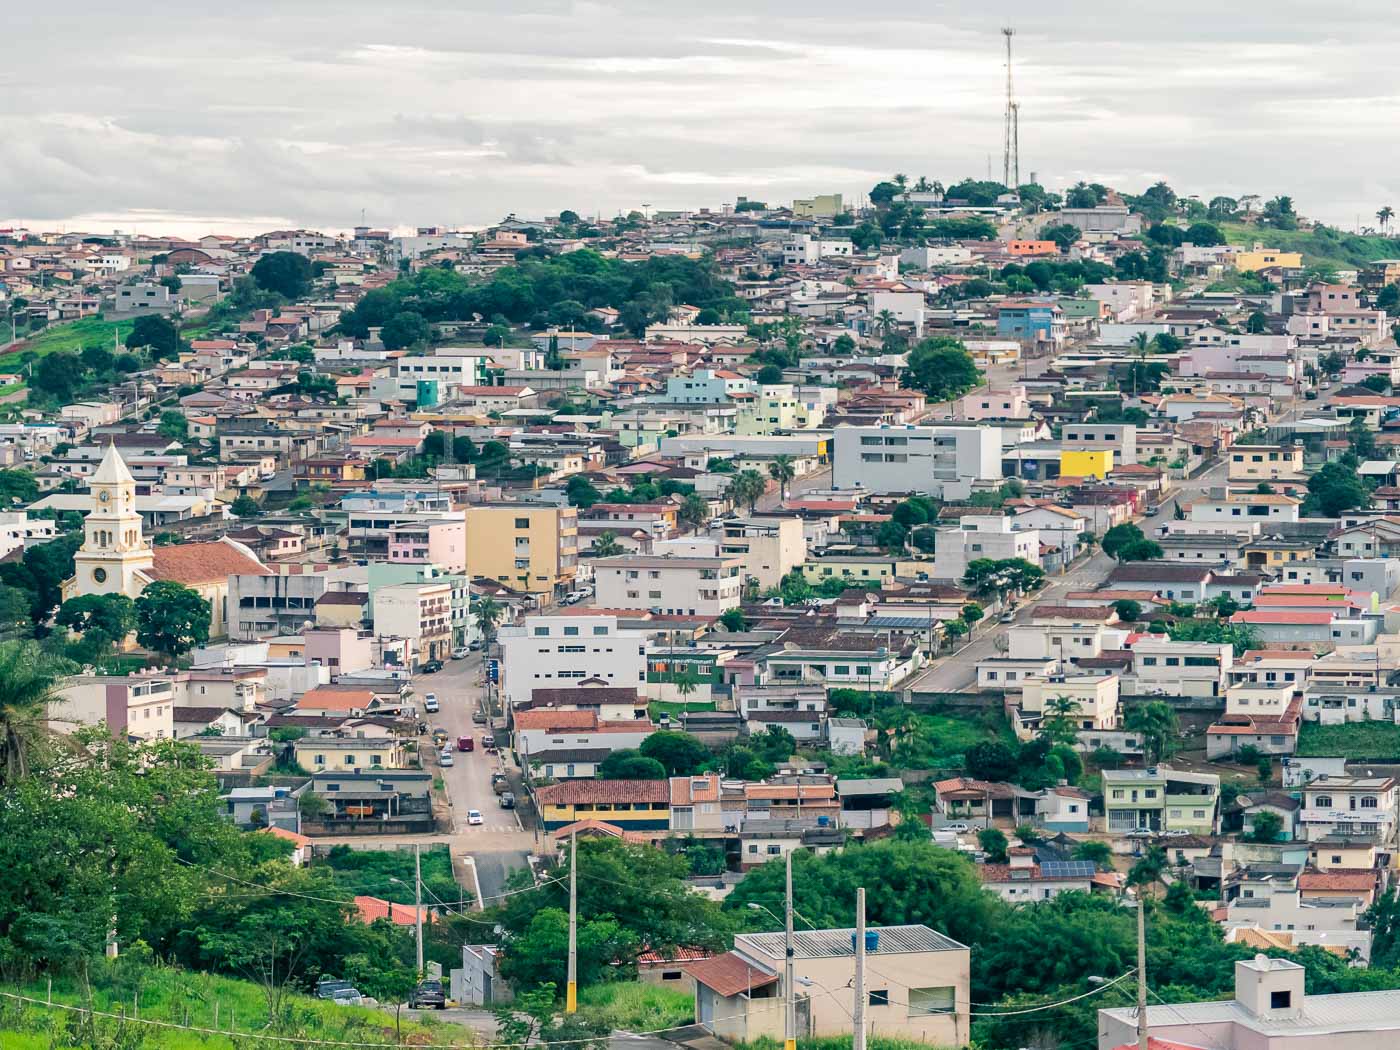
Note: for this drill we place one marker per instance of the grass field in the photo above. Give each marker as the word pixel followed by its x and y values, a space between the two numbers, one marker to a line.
pixel 1342 251
pixel 1374 740
pixel 75 335
pixel 637 1007
pixel 192 1000
pixel 939 740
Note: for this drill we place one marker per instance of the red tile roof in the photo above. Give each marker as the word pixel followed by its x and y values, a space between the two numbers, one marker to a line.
pixel 728 975
pixel 372 908
pixel 1359 880
pixel 571 792
pixel 195 563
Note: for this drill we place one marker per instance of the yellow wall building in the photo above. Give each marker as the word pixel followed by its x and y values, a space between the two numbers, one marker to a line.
pixel 1086 463
pixel 531 548
pixel 1263 258
pixel 823 206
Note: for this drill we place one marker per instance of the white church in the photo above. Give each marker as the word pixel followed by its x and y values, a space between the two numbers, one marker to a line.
pixel 116 557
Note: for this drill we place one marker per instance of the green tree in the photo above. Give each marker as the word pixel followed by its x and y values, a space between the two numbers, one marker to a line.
pixel 405 329
pixel 1257 323
pixel 583 494
pixel 286 273
pixel 1267 826
pixel 488 613
pixel 1156 723
pixel 18 486
pixel 173 425
pixel 1128 610
pixel 1204 234
pixel 97 359
pixel 742 763
pixel 747 486
pixel 629 764
pixel 942 368
pixel 1149 869
pixel 734 620
pixel 693 512
pixel 782 470
pixel 679 754
pixel 990 760
pixel 26 691
pixel 104 618
pixel 245 506
pixel 999 577
pixel 157 335
pixel 971 613
pixel 171 618
pixel 58 374
pixel 992 842
pixel 606 545
pixel 774 744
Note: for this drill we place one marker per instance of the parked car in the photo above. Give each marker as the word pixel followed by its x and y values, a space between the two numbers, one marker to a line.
pixel 465 743
pixel 474 816
pixel 479 717
pixel 499 783
pixel 1175 833
pixel 431 667
pixel 342 993
pixel 439 736
pixel 475 646
pixel 488 742
pixel 957 827
pixel 460 653
pixel 446 757
pixel 428 995
pixel 507 800
pixel 430 703
pixel 1140 833
pixel 1007 617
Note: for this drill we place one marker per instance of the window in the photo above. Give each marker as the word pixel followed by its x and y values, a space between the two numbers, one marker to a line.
pixel 1323 801
pixel 541 632
pixel 600 630
pixel 879 997
pixel 522 523
pixel 1280 1000
pixel 1368 801
pixel 931 1000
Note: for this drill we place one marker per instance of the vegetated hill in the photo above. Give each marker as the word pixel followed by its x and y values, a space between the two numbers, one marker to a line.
pixel 74 335
pixel 1323 246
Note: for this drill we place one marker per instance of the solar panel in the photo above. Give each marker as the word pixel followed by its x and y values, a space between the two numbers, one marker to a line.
pixel 1068 868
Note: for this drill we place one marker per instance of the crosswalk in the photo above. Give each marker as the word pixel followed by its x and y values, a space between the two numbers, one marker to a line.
pixel 489 825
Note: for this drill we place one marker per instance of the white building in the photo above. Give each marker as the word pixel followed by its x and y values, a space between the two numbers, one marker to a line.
pixel 982 536
pixel 706 386
pixel 1348 807
pixel 550 652
pixel 674 585
pixel 941 461
pixel 420 612
pixel 449 368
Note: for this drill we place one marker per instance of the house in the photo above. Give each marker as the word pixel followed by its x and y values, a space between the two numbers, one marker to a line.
pixel 941 461
pixel 1024 880
pixel 917 981
pixel 1161 799
pixel 1266 463
pixel 1270 1009
pixel 633 805
pixel 318 753
pixel 1162 667
pixel 695 586
pixel 1179 582
pixel 565 649
pixel 1362 808
pixel 1269 732
pixel 392 801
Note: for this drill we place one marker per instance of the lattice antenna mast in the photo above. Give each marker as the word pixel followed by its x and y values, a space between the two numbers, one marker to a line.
pixel 1008 130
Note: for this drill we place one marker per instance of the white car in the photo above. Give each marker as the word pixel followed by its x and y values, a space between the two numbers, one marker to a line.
pixel 430 703
pixel 460 653
pixel 446 757
pixel 474 816
pixel 957 827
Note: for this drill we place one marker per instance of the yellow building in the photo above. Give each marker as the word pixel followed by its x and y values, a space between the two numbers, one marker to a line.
pixel 772 410
pixel 863 568
pixel 633 805
pixel 1265 462
pixel 528 547
pixel 1259 258
pixel 823 206
pixel 1086 463
pixel 332 753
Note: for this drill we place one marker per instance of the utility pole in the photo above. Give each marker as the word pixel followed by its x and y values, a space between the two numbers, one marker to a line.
pixel 571 996
pixel 1141 973
pixel 418 903
pixel 858 1010
pixel 789 1000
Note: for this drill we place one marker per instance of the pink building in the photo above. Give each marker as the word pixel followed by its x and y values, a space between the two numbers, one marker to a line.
pixel 342 649
pixel 440 543
pixel 1009 403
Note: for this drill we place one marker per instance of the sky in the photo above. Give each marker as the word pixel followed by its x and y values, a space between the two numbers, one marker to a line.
pixel 259 114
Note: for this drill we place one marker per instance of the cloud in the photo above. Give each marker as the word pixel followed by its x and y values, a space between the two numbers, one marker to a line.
pixel 463 110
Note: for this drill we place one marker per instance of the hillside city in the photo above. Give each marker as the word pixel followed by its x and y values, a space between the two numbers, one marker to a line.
pixel 968 615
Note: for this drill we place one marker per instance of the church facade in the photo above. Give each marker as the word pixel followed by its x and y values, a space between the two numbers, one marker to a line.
pixel 116 557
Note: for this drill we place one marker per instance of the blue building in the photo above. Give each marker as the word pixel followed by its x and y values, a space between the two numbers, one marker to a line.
pixel 1031 322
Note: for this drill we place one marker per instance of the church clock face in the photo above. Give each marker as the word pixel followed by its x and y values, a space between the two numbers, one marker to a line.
pixel 100 575
pixel 104 496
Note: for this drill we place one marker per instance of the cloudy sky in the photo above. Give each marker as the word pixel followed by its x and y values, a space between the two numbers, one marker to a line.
pixel 257 113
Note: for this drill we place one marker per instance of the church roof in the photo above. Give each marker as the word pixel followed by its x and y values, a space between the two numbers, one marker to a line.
pixel 112 469
pixel 193 563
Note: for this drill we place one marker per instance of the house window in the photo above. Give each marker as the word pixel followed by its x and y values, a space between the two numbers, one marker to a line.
pixel 1323 801
pixel 522 523
pixel 879 997
pixel 1368 801
pixel 931 1000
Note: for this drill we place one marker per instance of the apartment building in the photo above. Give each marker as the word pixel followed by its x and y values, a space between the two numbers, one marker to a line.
pixel 1161 799
pixel 690 586
pixel 418 612
pixel 976 536
pixel 530 547
pixel 1163 667
pixel 442 543
pixel 554 651
pixel 941 461
pixel 443 373
pixel 1265 462
pixel 140 705
pixel 373 513
pixel 1361 808
pixel 769 547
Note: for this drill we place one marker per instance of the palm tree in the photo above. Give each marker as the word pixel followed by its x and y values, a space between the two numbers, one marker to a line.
pixel 885 321
pixel 747 487
pixel 26 690
pixel 902 181
pixel 937 189
pixel 693 512
pixel 685 683
pixel 1384 216
pixel 1140 344
pixel 488 613
pixel 923 185
pixel 782 471
pixel 606 545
